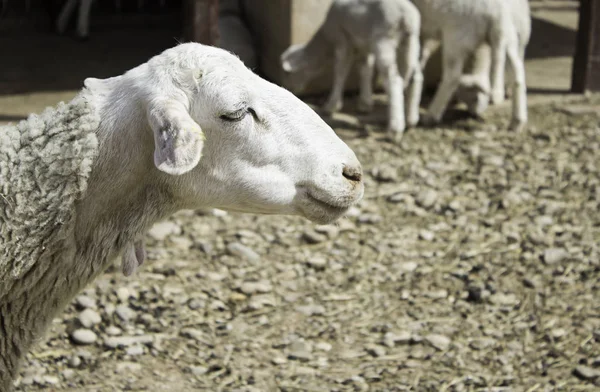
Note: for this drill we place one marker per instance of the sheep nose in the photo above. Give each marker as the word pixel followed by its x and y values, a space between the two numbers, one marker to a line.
pixel 352 173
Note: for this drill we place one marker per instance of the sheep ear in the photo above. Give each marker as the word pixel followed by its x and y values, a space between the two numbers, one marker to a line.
pixel 178 138
pixel 293 58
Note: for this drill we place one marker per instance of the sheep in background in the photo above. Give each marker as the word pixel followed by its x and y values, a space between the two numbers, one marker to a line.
pixel 192 128
pixel 373 31
pixel 463 27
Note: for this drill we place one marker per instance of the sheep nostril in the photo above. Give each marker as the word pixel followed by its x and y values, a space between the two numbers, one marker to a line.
pixel 352 173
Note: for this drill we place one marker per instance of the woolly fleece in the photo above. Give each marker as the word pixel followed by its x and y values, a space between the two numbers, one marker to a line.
pixel 45 162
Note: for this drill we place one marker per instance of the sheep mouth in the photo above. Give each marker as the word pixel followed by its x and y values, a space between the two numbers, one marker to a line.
pixel 325 205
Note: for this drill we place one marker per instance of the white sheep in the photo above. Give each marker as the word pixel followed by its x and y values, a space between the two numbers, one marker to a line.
pixel 372 31
pixel 192 128
pixel 463 27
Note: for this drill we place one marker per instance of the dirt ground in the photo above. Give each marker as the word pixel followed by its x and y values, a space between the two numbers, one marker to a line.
pixel 471 264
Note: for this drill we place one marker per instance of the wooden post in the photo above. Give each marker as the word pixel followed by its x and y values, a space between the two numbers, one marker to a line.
pixel 200 21
pixel 586 64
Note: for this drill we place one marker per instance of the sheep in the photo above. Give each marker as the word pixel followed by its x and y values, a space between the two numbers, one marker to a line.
pixel 463 27
pixel 372 30
pixel 191 128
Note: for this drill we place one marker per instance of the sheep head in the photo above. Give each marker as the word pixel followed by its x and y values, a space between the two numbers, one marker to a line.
pixel 223 137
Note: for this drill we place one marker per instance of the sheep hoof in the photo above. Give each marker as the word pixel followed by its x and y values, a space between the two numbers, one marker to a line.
pixel 395 136
pixel 364 107
pixel 497 97
pixel 517 125
pixel 332 107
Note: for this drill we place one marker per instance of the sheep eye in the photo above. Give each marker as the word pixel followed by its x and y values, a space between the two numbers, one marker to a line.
pixel 238 115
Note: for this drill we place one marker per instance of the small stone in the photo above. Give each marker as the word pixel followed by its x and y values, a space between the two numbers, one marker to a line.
pixel 128 367
pixel 135 349
pixel 86 302
pixel 385 173
pixel 51 380
pixel 74 361
pixel 198 370
pixel 242 251
pixel 263 286
pixel 586 373
pixel 317 262
pixel 278 360
pixel 408 266
pixel 89 317
pixel 369 219
pixel 68 374
pixel 440 342
pixel 312 309
pixel 160 231
pixel 260 301
pixel 83 336
pixel 123 294
pixel 375 350
pixel 555 255
pixel 126 341
pixel 426 235
pixel 312 237
pixel 125 313
pixel 504 299
pixel 427 198
pixel 390 338
pixel 558 333
pixel 113 331
pixel 331 231
pixel 300 350
pixel 183 243
pixel 323 346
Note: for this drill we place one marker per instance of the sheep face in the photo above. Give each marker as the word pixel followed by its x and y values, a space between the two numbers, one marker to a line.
pixel 227 138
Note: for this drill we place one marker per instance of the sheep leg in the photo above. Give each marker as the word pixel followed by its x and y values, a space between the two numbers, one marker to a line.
pixel 519 89
pixel 429 46
pixel 392 81
pixel 453 62
pixel 499 48
pixel 65 13
pixel 365 101
pixel 83 21
pixel 474 87
pixel 341 69
pixel 413 78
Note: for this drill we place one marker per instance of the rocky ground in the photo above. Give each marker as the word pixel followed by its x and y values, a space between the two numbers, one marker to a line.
pixel 471 265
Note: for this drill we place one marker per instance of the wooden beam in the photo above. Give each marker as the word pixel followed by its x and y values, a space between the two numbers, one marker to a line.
pixel 200 21
pixel 586 64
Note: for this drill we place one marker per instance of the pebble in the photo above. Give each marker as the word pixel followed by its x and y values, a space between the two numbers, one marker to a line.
pixel 124 312
pixel 86 302
pixel 440 342
pixel 260 301
pixel 113 331
pixel 317 262
pixel 83 336
pixel 128 367
pixel 427 198
pixel 323 346
pixel 426 235
pixel 300 350
pixel 385 173
pixel 375 350
pixel 408 266
pixel 390 338
pixel 126 341
pixel 312 237
pixel 331 231
pixel 50 380
pixel 89 318
pixel 242 251
pixel 278 360
pixel 263 286
pixel 160 231
pixel 312 309
pixel 555 255
pixel 586 373
pixel 135 349
pixel 123 294
pixel 504 299
pixel 370 219
pixel 196 303
pixel 74 361
pixel 68 374
pixel 198 370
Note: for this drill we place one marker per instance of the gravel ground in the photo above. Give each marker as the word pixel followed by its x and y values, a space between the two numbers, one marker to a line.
pixel 471 265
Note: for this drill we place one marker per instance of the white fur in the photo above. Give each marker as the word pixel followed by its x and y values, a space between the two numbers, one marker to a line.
pixel 370 31
pixel 164 144
pixel 463 26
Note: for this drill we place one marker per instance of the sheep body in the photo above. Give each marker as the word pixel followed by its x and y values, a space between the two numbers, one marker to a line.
pixel 463 26
pixel 371 31
pixel 81 184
